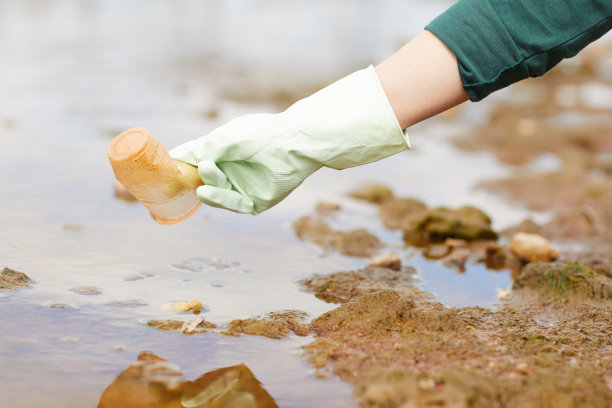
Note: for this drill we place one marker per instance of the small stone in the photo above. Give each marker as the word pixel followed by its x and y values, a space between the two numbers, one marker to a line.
pixel 119 347
pixel 533 248
pixel 194 306
pixel 391 261
pixel 523 367
pixel 502 294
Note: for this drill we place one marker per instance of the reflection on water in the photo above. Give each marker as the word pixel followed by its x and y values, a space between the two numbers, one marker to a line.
pixel 153 382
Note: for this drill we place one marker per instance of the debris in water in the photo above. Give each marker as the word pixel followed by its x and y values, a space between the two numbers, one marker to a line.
pixel 391 261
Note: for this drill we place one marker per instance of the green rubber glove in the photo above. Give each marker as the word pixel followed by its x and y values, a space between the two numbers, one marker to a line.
pixel 251 163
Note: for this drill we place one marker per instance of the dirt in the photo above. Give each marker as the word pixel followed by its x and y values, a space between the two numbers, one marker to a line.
pixel 274 325
pixel 547 346
pixel 12 279
pixel 358 243
pixel 153 382
pixel 342 287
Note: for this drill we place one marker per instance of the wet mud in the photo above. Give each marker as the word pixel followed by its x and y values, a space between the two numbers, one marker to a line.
pixel 358 243
pixel 342 287
pixel 274 325
pixel 547 346
pixel 153 382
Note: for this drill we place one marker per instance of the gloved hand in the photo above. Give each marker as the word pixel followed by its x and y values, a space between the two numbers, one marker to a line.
pixel 251 163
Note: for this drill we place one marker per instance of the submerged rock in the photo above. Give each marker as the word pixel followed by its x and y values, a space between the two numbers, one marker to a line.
pixel 341 287
pixel 274 325
pixel 438 224
pixel 533 248
pixel 86 290
pixel 358 242
pixel 11 279
pixel 565 279
pixel 394 211
pixel 373 193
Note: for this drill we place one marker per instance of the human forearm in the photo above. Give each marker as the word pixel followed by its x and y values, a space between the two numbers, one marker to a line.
pixel 421 80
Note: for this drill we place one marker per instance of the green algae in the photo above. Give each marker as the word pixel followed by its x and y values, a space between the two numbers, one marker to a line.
pixel 565 279
pixel 438 224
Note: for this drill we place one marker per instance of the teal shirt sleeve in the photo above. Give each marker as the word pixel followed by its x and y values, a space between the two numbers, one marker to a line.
pixel 500 42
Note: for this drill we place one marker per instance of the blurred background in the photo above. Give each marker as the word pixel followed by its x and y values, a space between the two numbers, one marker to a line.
pixel 75 73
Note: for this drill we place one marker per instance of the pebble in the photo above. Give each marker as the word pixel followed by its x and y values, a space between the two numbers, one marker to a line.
pixel 391 261
pixel 533 248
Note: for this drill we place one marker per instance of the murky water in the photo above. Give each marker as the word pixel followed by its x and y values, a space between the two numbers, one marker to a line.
pixel 73 73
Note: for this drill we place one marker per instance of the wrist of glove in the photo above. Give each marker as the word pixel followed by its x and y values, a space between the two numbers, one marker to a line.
pixel 251 163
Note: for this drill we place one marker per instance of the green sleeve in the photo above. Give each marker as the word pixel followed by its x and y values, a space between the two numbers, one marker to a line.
pixel 499 42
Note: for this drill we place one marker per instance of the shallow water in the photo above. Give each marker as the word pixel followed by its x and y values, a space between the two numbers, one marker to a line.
pixel 74 73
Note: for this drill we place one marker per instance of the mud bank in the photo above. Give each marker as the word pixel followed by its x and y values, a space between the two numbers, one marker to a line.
pixel 548 346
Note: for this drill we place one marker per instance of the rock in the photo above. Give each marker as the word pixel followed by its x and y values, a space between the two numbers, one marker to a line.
pixel 11 279
pixel 394 211
pixel 391 261
pixel 438 224
pixel 194 306
pixel 358 242
pixel 373 193
pixel 565 279
pixel 533 248
pixel 153 382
